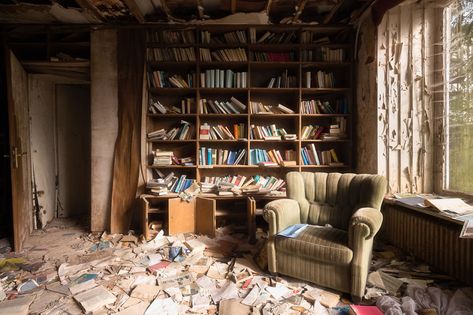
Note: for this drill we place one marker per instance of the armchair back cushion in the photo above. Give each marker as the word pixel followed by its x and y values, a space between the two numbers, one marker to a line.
pixel 331 198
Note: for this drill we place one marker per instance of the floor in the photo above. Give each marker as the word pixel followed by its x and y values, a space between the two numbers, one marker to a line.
pixel 65 270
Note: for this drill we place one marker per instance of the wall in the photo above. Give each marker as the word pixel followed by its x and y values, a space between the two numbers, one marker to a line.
pixel 43 152
pixel 104 123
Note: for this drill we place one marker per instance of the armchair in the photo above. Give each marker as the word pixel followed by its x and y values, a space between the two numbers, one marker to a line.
pixel 335 256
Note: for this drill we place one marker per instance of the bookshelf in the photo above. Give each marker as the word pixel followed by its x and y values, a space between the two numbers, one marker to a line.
pixel 307 69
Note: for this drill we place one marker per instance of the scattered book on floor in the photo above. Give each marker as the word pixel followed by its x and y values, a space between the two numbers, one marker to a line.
pixel 364 310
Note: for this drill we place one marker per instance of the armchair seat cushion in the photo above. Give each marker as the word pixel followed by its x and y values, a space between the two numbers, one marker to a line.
pixel 318 243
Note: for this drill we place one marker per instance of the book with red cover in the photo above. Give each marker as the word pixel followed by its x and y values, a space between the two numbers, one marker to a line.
pixel 364 310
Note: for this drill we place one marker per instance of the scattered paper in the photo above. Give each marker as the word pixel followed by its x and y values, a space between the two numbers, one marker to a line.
pixel 162 307
pixel 95 298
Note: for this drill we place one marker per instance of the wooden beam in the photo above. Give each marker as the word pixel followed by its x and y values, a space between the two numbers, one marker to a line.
pixel 299 8
pixel 233 5
pixel 268 6
pixel 166 10
pixel 332 12
pixel 135 10
pixel 88 6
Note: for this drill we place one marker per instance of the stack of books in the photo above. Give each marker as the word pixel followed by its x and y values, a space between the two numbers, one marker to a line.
pixel 183 131
pixel 319 79
pixel 270 132
pixel 169 183
pixel 155 106
pixel 318 106
pixel 271 157
pixel 283 81
pixel 260 108
pixel 336 131
pixel 210 156
pixel 218 78
pixel 241 183
pixel 273 56
pixel 269 37
pixel 170 54
pixel 161 79
pixel 221 132
pixel 234 106
pixel 311 156
pixel 162 158
pixel 235 37
pixel 234 54
pixel 323 54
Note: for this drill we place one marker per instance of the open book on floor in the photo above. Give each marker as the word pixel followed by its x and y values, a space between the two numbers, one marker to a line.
pixel 293 230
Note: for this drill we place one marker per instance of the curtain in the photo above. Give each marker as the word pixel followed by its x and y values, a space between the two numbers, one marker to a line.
pixel 130 59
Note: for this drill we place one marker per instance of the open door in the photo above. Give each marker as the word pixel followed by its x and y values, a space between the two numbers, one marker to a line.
pixel 17 82
pixel 181 216
pixel 205 222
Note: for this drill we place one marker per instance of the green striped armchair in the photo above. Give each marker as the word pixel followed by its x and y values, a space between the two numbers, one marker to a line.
pixel 343 213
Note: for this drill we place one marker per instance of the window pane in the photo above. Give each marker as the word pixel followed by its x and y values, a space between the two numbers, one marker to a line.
pixel 459 96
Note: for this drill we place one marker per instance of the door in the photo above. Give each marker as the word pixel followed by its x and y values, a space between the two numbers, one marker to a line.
pixel 17 83
pixel 181 216
pixel 205 222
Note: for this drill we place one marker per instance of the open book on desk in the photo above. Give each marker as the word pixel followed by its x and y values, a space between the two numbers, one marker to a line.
pixel 450 206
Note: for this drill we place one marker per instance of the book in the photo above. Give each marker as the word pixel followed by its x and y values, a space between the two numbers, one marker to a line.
pixel 453 206
pixel 364 310
pixel 467 230
pixel 293 231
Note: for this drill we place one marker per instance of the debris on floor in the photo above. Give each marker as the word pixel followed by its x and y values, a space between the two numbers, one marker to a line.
pixel 67 271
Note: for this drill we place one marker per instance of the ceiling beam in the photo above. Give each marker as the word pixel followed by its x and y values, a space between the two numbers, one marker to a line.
pixel 268 6
pixel 299 8
pixel 332 12
pixel 88 6
pixel 135 10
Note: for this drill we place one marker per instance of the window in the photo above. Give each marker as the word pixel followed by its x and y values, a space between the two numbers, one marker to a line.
pixel 458 97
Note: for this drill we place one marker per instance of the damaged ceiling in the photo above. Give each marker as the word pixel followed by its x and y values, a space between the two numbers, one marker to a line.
pixel 177 11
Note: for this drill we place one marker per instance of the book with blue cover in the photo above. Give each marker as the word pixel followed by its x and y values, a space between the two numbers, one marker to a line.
pixel 293 230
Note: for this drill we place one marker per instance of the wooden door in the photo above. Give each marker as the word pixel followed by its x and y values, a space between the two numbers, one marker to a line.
pixel 205 221
pixel 17 83
pixel 181 218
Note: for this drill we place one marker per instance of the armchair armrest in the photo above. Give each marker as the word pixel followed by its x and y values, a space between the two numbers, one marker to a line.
pixel 370 218
pixel 280 214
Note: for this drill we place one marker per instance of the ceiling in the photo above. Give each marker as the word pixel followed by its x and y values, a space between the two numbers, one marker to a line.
pixel 180 11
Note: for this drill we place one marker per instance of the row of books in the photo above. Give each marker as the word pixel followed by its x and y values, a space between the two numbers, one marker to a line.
pixel 270 37
pixel 319 79
pixel 270 132
pixel 221 132
pixel 231 54
pixel 170 54
pixel 172 37
pixel 308 37
pixel 170 183
pixel 162 79
pixel 273 56
pixel 155 106
pixel 234 106
pixel 311 156
pixel 163 158
pixel 236 183
pixel 317 106
pixel 323 54
pixel 337 130
pixel 234 37
pixel 260 108
pixel 182 131
pixel 272 157
pixel 210 156
pixel 217 78
pixel 283 81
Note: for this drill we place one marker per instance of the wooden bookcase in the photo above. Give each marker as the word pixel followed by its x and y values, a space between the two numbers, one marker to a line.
pixel 306 40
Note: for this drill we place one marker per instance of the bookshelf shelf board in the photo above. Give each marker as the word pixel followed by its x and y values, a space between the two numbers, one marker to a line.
pixel 226 140
pixel 323 141
pixel 273 47
pixel 171 91
pixel 203 167
pixel 273 141
pixel 223 64
pixel 171 65
pixel 324 166
pixel 157 211
pixel 173 141
pixel 324 90
pixel 328 45
pixel 222 90
pixel 165 45
pixel 171 166
pixel 306 64
pixel 257 65
pixel 274 116
pixel 325 115
pixel 222 46
pixel 166 116
pixel 276 167
pixel 273 90
pixel 223 115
